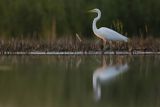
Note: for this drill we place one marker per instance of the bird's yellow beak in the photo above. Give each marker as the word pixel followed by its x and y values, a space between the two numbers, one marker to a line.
pixel 91 11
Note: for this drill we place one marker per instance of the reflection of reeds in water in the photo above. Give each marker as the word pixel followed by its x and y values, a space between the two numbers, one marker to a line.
pixel 67 45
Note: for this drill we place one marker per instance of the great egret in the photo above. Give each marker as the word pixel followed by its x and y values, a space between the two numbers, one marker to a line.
pixel 104 33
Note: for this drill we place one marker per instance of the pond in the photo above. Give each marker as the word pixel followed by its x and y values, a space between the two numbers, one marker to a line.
pixel 79 81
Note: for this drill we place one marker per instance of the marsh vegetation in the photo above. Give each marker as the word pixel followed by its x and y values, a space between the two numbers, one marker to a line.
pixel 40 25
pixel 52 18
pixel 75 45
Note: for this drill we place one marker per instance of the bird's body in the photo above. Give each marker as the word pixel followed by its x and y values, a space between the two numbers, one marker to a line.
pixel 104 33
pixel 109 34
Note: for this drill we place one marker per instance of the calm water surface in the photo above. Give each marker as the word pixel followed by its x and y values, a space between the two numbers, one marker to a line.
pixel 79 81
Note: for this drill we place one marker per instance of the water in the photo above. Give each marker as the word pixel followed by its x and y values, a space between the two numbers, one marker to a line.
pixel 79 81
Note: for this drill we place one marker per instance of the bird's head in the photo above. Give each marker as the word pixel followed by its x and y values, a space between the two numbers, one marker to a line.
pixel 94 10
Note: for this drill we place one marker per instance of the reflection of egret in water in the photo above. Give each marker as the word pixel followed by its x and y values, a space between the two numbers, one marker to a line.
pixel 106 73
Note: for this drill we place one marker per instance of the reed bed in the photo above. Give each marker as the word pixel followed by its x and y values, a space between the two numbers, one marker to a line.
pixel 75 45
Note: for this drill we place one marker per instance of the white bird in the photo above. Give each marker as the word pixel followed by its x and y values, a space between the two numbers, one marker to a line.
pixel 104 33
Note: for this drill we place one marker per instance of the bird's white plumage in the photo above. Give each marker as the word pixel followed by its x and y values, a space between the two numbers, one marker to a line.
pixel 105 33
pixel 109 34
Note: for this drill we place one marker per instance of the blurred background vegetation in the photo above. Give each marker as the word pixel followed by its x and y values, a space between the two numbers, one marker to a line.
pixel 58 18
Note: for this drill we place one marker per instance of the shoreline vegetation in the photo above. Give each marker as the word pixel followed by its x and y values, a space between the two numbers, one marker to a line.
pixel 41 18
pixel 78 46
pixel 49 27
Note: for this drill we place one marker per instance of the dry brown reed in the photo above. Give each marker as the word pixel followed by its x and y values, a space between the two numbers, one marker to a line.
pixel 73 45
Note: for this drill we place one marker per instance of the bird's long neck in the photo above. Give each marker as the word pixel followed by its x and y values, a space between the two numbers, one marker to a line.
pixel 94 27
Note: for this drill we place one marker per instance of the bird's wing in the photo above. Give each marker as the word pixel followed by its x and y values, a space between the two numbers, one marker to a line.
pixel 111 34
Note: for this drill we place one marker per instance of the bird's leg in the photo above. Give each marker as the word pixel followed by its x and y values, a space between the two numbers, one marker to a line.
pixel 118 45
pixel 104 45
pixel 110 43
pixel 101 45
